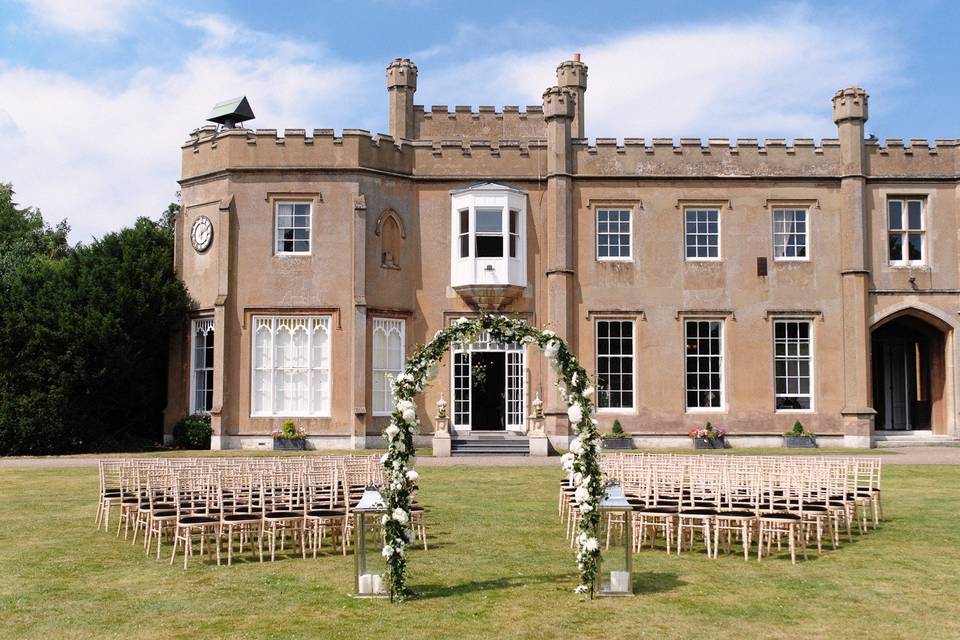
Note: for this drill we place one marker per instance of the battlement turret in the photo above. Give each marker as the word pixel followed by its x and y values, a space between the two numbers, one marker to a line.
pixel 572 75
pixel 401 86
pixel 850 114
pixel 850 104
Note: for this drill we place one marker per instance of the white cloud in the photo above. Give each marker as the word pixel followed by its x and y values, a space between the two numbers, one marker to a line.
pixel 84 17
pixel 101 155
pixel 772 77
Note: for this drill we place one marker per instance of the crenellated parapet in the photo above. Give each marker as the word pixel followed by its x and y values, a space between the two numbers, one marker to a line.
pixel 715 157
pixel 209 151
pixel 916 157
pixel 484 123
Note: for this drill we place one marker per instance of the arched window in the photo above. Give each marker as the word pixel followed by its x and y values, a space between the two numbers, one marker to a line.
pixel 388 353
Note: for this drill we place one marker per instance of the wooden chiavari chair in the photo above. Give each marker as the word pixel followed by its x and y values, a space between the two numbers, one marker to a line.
pixel 699 505
pixel 660 504
pixel 163 506
pixel 323 510
pixel 283 508
pixel 781 512
pixel 111 490
pixel 129 500
pixel 197 511
pixel 739 505
pixel 241 509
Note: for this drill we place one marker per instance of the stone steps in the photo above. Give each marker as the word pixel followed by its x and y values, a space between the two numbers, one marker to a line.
pixel 490 444
pixel 889 439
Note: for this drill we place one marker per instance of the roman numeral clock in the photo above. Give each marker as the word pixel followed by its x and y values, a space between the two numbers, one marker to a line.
pixel 201 234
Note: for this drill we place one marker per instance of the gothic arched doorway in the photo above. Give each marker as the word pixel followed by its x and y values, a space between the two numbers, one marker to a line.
pixel 909 373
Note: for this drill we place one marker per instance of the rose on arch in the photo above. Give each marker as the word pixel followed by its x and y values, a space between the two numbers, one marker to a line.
pixel 551 350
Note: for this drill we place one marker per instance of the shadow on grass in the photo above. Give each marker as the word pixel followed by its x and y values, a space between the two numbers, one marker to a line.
pixel 649 582
pixel 430 591
pixel 655 582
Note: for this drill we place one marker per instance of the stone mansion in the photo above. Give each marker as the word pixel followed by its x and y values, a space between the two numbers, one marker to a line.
pixel 746 283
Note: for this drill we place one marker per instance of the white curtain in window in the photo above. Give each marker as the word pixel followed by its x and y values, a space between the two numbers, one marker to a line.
pixel 388 335
pixel 291 366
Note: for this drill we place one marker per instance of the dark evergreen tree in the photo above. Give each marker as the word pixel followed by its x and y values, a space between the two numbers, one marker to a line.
pixel 84 333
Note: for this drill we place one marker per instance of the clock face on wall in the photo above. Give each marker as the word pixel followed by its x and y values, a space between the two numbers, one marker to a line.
pixel 201 233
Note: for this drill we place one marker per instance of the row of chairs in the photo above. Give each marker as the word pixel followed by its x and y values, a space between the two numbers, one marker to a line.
pixel 748 499
pixel 203 505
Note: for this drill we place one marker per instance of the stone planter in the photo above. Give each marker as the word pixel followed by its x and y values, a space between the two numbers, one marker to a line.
pixel 800 442
pixel 709 443
pixel 618 443
pixel 289 444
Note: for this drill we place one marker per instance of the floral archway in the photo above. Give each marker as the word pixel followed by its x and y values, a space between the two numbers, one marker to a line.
pixel 582 460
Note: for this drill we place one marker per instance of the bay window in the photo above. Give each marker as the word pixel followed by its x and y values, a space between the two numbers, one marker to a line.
pixel 488 231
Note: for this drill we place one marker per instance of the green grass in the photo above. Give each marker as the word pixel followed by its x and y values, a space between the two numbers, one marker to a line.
pixel 498 567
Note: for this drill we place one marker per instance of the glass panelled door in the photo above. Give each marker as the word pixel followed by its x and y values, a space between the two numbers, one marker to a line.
pixel 515 389
pixel 489 386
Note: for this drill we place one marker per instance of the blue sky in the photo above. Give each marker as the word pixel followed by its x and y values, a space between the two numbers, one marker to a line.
pixel 97 95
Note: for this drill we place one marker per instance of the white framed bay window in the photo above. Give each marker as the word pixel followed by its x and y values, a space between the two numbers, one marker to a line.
pixel 291 366
pixel 388 352
pixel 488 236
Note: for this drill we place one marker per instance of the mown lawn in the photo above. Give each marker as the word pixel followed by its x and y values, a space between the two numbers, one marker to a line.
pixel 498 567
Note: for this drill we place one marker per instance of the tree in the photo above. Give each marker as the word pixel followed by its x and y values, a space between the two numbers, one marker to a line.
pixel 84 334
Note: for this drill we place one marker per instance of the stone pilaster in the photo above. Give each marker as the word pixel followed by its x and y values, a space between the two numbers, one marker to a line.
pixel 850 115
pixel 221 379
pixel 359 325
pixel 558 111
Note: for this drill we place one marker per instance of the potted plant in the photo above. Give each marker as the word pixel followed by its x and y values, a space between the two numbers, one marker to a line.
pixel 289 437
pixel 617 438
pixel 799 438
pixel 708 437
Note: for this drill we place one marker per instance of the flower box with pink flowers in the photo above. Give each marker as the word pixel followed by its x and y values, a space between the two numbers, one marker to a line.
pixel 708 437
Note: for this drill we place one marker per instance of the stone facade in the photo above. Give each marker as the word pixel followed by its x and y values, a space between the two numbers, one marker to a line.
pixel 382 244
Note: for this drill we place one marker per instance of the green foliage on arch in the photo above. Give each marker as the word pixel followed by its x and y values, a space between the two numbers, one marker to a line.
pixel 583 460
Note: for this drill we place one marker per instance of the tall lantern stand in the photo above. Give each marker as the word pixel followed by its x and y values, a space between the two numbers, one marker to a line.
pixel 615 576
pixel 371 567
